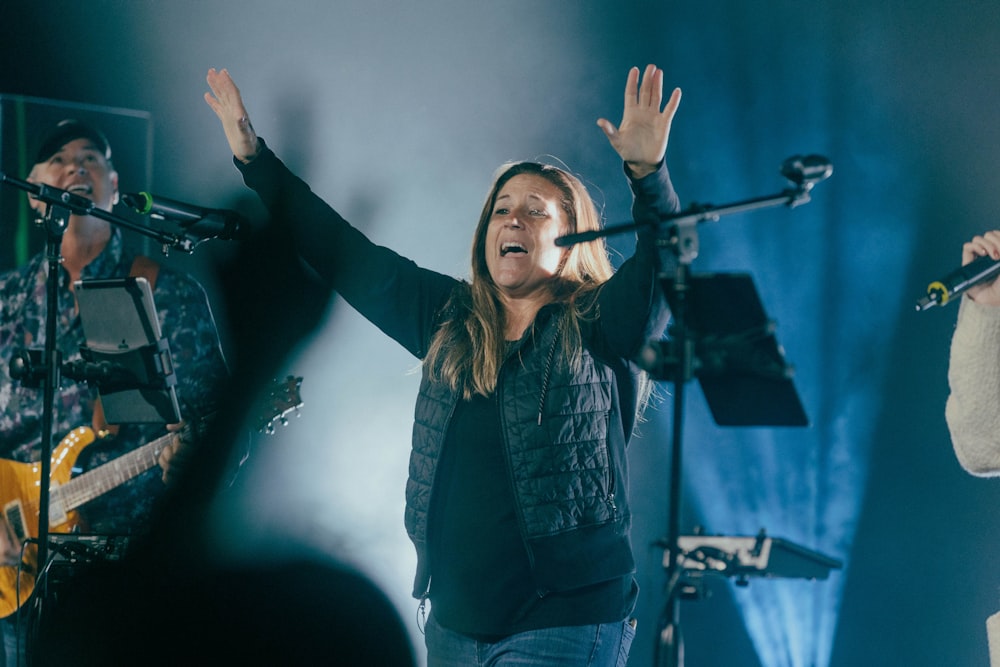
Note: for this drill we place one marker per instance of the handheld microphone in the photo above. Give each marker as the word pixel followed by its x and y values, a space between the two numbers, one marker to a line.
pixel 940 292
pixel 806 170
pixel 203 222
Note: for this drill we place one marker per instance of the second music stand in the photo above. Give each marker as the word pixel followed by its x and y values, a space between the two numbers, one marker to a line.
pixel 736 356
pixel 685 355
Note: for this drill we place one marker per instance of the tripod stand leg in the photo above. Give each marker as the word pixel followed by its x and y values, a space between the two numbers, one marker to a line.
pixel 671 646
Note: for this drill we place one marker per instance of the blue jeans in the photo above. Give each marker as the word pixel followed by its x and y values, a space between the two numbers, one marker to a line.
pixel 604 645
pixel 14 651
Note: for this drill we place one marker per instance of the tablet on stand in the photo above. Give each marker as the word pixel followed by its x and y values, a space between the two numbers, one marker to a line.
pixel 130 359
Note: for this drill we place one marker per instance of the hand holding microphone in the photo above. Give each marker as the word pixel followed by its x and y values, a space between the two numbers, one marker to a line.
pixel 977 275
pixel 983 249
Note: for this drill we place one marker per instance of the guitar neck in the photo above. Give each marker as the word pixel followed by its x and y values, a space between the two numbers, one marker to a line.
pixel 282 399
pixel 112 474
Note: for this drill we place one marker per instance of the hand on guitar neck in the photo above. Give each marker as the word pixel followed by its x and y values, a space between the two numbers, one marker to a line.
pixel 176 450
pixel 176 453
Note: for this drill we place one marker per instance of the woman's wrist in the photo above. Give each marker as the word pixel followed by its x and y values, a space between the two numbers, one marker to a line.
pixel 640 169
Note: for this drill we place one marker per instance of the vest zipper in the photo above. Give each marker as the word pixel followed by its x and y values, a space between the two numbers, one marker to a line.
pixel 510 473
pixel 612 485
pixel 548 371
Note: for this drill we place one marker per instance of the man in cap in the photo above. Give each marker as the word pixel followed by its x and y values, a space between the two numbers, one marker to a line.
pixel 76 157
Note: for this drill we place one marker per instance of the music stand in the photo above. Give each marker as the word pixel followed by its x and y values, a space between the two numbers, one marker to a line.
pixel 721 336
pixel 752 556
pixel 126 356
pixel 676 360
pixel 737 360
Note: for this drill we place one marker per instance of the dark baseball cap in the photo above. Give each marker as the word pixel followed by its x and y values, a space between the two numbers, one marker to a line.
pixel 66 131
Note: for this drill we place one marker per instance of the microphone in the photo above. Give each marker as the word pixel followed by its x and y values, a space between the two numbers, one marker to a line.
pixel 806 170
pixel 940 292
pixel 206 223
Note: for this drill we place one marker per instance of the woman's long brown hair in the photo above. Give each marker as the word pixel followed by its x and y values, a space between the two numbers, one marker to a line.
pixel 469 347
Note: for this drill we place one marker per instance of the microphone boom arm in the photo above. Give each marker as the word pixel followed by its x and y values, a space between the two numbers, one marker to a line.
pixel 82 206
pixel 697 213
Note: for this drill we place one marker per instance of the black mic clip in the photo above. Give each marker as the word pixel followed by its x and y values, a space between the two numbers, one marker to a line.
pixel 198 223
pixel 216 224
pixel 806 171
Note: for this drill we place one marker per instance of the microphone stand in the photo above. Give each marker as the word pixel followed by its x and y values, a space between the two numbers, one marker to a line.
pixel 55 197
pixel 60 205
pixel 683 241
pixel 55 221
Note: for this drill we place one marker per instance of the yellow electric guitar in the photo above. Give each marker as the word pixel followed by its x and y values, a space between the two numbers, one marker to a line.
pixel 20 487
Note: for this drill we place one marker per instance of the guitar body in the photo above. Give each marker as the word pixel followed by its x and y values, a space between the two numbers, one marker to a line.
pixel 20 486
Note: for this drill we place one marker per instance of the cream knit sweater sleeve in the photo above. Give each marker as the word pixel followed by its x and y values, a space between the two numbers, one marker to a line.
pixel 973 406
pixel 993 638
